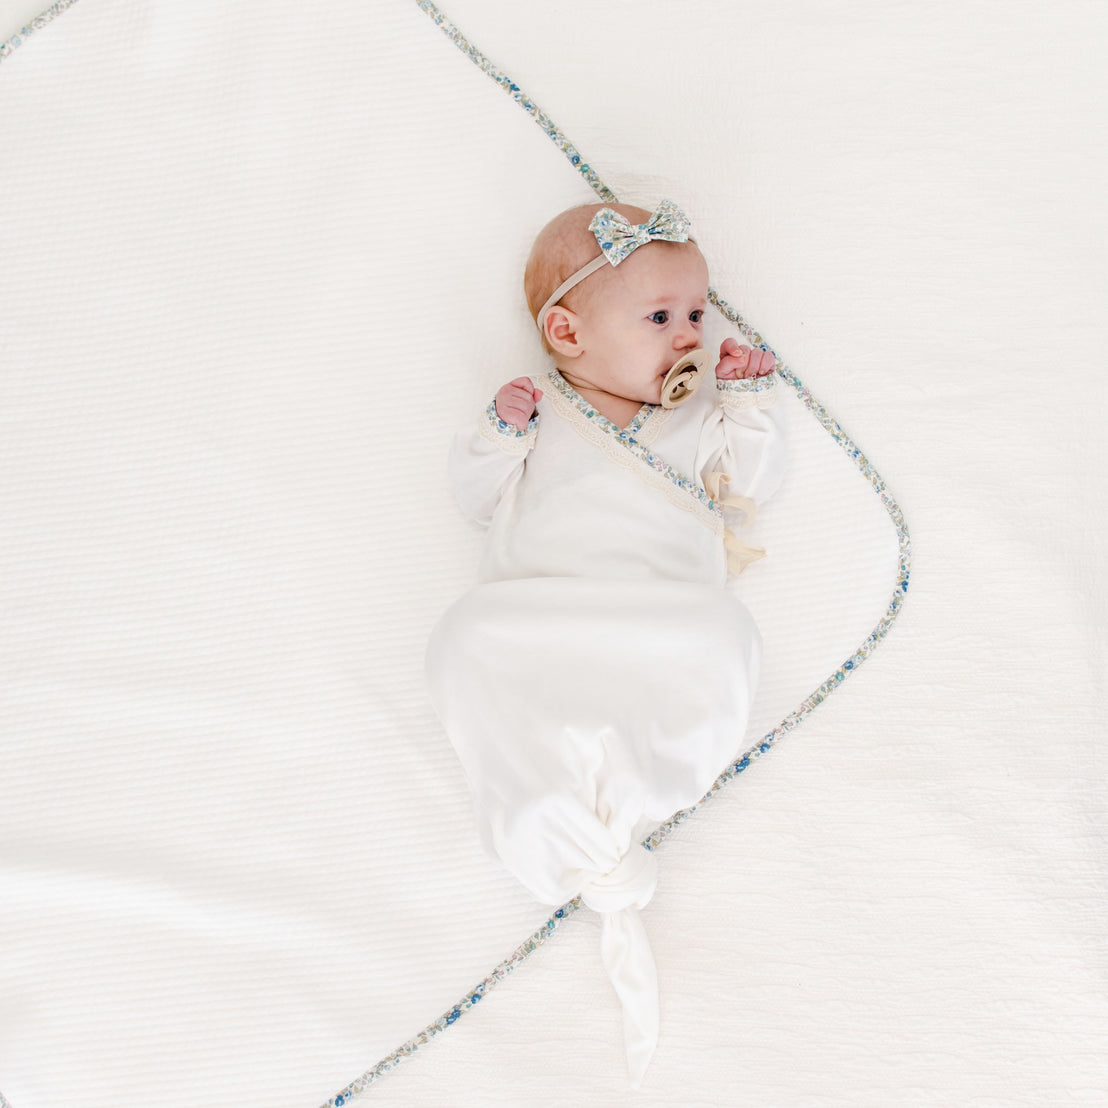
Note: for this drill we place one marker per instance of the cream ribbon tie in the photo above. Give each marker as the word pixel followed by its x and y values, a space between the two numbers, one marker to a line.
pixel 739 554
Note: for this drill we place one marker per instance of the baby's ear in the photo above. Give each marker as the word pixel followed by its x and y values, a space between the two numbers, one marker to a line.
pixel 561 331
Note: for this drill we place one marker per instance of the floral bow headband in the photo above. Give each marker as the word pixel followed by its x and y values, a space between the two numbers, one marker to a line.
pixel 617 237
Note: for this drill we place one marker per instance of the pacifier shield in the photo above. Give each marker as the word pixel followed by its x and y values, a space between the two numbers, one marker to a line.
pixel 684 377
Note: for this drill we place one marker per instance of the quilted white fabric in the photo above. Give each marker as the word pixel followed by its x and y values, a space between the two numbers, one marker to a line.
pixel 259 262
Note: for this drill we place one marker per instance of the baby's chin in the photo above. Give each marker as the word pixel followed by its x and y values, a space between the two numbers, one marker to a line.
pixel 650 391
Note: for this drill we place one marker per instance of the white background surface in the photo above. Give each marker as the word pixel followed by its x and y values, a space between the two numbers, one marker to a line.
pixel 237 863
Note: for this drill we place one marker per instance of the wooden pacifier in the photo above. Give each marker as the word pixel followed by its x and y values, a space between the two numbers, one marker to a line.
pixel 685 377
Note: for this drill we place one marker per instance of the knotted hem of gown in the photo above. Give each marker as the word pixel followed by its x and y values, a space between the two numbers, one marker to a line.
pixel 617 896
pixel 563 802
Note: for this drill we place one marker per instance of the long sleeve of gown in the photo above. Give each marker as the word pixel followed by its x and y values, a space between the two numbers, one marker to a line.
pixel 485 460
pixel 744 447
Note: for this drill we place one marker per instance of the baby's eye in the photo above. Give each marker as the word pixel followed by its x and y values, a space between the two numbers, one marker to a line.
pixel 697 315
pixel 663 314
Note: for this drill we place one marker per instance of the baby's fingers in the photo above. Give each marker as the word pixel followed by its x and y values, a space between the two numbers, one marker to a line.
pixel 730 348
pixel 761 363
pixel 523 388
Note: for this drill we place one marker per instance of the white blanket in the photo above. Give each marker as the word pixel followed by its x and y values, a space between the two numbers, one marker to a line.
pixel 259 262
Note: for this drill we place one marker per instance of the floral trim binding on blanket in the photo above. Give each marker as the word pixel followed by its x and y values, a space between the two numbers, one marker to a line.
pixel 6 49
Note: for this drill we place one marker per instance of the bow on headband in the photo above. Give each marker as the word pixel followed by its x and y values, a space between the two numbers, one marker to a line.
pixel 618 236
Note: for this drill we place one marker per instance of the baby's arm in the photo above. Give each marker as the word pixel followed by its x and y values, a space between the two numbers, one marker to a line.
pixel 487 459
pixel 747 437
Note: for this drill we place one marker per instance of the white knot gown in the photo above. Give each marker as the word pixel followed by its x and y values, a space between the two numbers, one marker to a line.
pixel 598 677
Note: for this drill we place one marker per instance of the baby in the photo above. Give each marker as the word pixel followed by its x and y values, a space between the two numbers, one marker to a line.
pixel 598 677
pixel 615 338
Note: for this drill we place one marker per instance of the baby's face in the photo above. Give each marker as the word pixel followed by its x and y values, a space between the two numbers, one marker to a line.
pixel 646 317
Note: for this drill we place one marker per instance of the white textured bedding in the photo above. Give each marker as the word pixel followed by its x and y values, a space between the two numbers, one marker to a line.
pixel 259 262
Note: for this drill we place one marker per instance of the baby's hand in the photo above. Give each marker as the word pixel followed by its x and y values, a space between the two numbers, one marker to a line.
pixel 516 401
pixel 737 361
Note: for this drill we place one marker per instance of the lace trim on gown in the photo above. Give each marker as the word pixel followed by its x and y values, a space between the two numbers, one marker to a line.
pixel 624 449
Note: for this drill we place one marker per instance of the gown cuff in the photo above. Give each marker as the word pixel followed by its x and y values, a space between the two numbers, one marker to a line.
pixel 748 392
pixel 507 436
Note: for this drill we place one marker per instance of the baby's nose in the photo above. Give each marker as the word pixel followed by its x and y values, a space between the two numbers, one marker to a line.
pixel 685 336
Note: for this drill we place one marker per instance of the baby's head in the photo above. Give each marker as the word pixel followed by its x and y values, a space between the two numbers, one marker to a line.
pixel 621 328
